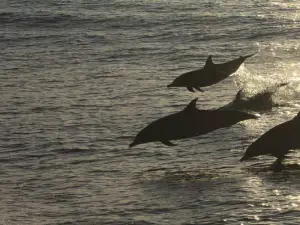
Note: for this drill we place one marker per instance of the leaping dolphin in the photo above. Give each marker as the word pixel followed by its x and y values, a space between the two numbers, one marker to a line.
pixel 258 102
pixel 276 142
pixel 210 74
pixel 189 122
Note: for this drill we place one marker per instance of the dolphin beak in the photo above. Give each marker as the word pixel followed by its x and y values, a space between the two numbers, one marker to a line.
pixel 132 144
pixel 170 85
pixel 243 158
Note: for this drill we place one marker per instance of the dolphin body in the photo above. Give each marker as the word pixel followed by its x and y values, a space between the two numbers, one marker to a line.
pixel 259 102
pixel 189 122
pixel 210 74
pixel 276 142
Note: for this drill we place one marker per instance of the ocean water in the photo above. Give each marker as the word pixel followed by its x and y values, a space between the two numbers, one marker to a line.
pixel 79 79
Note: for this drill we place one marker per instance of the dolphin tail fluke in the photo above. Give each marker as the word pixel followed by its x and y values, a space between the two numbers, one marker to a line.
pixel 282 84
pixel 167 142
pixel 277 86
pixel 248 56
pixel 273 89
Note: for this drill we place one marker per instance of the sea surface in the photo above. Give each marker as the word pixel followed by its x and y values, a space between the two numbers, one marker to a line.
pixel 79 79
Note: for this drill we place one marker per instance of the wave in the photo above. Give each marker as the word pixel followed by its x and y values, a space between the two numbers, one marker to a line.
pixel 75 151
pixel 43 19
pixel 35 37
pixel 42 109
pixel 33 20
pixel 149 25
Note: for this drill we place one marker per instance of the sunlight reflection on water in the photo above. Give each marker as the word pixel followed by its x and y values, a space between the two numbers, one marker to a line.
pixel 80 79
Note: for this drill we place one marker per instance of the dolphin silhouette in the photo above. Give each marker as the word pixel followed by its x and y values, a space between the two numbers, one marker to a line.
pixel 210 74
pixel 276 142
pixel 258 102
pixel 189 122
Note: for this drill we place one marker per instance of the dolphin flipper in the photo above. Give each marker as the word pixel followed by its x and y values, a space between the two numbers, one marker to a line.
pixel 190 89
pixel 199 89
pixel 167 142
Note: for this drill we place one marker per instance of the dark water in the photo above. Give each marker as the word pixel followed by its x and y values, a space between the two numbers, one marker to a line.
pixel 80 78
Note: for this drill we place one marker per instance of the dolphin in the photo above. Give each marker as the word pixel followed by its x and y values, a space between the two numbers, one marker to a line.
pixel 189 122
pixel 210 74
pixel 260 101
pixel 276 142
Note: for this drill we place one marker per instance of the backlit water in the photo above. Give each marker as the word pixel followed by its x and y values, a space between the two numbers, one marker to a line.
pixel 79 79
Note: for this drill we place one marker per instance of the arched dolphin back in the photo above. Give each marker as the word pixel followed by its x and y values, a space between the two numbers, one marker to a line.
pixel 172 127
pixel 210 74
pixel 189 122
pixel 277 141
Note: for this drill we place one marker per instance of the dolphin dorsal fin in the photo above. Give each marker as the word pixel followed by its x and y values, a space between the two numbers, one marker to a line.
pixel 191 106
pixel 238 95
pixel 208 62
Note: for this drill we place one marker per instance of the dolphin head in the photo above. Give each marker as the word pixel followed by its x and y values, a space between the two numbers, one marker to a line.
pixel 176 83
pixel 134 143
pixel 144 136
pixel 137 141
pixel 251 151
pixel 256 148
